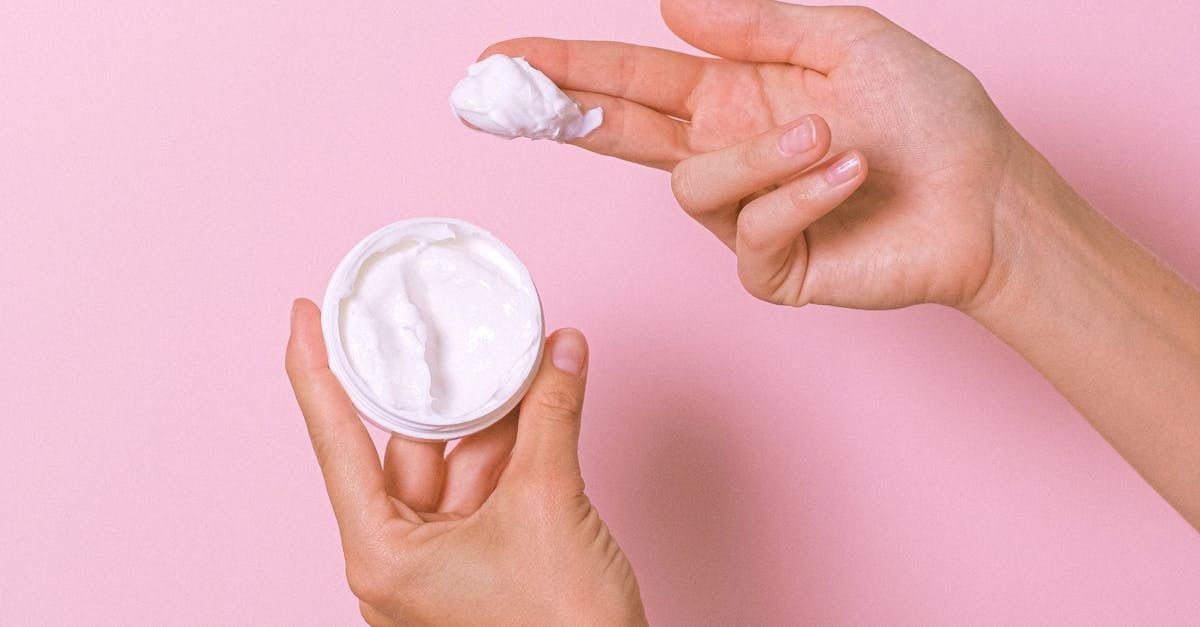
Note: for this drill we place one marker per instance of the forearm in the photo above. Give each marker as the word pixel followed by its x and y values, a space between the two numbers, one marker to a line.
pixel 1115 331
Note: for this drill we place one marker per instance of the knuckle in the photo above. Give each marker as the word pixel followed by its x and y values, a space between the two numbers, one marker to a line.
pixel 627 69
pixel 709 213
pixel 321 445
pixel 757 156
pixel 763 282
pixel 763 290
pixel 754 285
pixel 802 192
pixel 751 235
pixel 681 186
pixel 559 405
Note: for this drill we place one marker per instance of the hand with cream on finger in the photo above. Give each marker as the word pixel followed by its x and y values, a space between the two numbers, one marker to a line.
pixel 846 162
pixel 917 229
pixel 496 532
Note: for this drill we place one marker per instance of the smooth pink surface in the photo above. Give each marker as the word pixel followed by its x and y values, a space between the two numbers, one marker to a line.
pixel 172 174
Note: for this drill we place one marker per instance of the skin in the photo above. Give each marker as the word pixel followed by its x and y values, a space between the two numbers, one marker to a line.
pixel 497 532
pixel 844 162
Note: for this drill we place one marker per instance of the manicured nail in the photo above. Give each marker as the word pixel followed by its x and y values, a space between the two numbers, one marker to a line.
pixel 800 139
pixel 568 351
pixel 844 170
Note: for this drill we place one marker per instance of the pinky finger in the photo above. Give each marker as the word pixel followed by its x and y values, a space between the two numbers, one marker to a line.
pixel 771 251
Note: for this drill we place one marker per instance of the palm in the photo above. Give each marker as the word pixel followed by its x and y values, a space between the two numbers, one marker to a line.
pixel 923 205
pixel 515 541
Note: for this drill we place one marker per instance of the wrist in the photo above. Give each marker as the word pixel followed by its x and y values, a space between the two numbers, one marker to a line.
pixel 1039 232
pixel 1110 326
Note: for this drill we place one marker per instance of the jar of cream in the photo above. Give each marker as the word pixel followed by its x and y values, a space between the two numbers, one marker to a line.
pixel 434 328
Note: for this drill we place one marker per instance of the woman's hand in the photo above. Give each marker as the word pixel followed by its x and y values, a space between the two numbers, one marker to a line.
pixel 957 208
pixel 497 532
pixel 918 229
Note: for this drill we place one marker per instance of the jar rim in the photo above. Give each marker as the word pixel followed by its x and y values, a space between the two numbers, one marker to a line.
pixel 364 400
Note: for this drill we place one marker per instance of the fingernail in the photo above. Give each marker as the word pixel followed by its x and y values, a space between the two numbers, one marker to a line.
pixel 295 307
pixel 800 139
pixel 568 351
pixel 845 169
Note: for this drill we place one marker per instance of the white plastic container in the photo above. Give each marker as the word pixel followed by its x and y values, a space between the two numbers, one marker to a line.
pixel 434 249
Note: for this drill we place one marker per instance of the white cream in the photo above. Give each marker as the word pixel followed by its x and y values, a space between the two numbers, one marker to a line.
pixel 440 323
pixel 506 96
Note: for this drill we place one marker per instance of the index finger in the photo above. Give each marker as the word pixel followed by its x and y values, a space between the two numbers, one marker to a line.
pixel 662 80
pixel 353 476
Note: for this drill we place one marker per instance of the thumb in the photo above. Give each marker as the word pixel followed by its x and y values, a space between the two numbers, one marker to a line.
pixel 548 427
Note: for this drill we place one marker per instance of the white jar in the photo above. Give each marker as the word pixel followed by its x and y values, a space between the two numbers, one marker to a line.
pixel 434 328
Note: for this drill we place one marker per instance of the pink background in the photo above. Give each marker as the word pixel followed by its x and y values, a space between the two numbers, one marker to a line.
pixel 172 174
